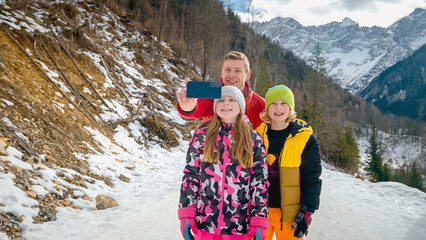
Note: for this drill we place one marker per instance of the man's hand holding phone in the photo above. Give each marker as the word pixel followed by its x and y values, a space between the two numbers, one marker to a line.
pixel 186 104
pixel 187 97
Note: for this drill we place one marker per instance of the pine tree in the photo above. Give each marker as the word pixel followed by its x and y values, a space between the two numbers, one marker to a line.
pixel 316 86
pixel 262 78
pixel 415 178
pixel 400 174
pixel 348 151
pixel 375 162
pixel 133 5
pixel 133 9
pixel 385 173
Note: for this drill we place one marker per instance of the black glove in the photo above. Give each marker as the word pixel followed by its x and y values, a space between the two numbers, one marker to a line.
pixel 301 222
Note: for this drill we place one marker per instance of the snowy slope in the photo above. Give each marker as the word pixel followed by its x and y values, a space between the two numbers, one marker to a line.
pixel 396 149
pixel 355 209
pixel 121 150
pixel 350 209
pixel 155 173
pixel 355 55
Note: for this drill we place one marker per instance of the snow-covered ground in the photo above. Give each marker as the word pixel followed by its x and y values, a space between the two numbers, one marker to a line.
pixel 355 209
pixel 350 207
pixel 153 174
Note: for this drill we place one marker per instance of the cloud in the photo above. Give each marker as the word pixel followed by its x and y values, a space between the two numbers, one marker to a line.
pixel 346 5
pixel 320 11
pixel 284 2
pixel 369 5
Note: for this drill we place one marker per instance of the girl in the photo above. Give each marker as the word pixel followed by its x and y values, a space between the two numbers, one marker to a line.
pixel 224 188
pixel 294 166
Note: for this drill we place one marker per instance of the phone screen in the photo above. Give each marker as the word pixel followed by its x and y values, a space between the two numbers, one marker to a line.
pixel 204 89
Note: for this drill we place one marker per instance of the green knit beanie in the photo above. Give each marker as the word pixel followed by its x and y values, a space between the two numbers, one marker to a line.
pixel 279 92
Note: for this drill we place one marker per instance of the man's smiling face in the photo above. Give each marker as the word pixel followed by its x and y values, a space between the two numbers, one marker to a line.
pixel 234 73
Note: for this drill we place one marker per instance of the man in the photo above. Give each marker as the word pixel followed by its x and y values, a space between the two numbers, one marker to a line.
pixel 235 72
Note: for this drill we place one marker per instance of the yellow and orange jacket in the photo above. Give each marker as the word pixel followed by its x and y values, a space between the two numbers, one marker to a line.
pixel 299 169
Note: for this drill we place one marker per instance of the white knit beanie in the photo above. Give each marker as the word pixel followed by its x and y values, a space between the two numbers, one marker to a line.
pixel 236 94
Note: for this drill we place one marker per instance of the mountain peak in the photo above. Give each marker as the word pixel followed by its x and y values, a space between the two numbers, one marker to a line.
pixel 347 22
pixel 287 21
pixel 418 10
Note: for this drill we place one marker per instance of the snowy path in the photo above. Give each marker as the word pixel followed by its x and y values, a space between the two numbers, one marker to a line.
pixel 140 214
pixel 351 209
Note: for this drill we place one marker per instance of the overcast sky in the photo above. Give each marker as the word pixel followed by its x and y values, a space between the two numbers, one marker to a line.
pixel 317 12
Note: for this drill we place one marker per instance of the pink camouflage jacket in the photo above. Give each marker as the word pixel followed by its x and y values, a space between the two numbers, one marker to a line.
pixel 224 194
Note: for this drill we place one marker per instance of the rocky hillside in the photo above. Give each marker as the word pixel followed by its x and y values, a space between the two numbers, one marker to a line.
pixel 71 74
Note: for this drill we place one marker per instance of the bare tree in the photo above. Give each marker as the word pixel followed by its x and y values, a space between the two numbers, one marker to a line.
pixel 253 14
pixel 162 22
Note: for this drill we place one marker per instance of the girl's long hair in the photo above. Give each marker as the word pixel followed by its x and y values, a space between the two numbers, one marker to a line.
pixel 241 147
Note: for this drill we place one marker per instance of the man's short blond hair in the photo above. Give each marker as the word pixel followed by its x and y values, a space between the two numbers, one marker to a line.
pixel 235 55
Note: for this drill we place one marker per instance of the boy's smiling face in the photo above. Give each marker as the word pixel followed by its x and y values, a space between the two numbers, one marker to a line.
pixel 278 111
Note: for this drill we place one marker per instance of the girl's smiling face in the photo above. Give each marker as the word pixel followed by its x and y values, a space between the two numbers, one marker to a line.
pixel 227 108
pixel 278 111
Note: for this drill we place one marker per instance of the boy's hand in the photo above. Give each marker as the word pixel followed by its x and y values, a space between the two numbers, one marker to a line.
pixel 301 223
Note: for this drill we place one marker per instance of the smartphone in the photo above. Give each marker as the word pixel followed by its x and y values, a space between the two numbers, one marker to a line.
pixel 204 89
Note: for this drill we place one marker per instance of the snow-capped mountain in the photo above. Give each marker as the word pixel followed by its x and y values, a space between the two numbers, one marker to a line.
pixel 354 54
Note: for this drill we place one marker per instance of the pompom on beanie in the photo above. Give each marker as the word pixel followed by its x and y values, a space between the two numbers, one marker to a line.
pixel 279 92
pixel 236 94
